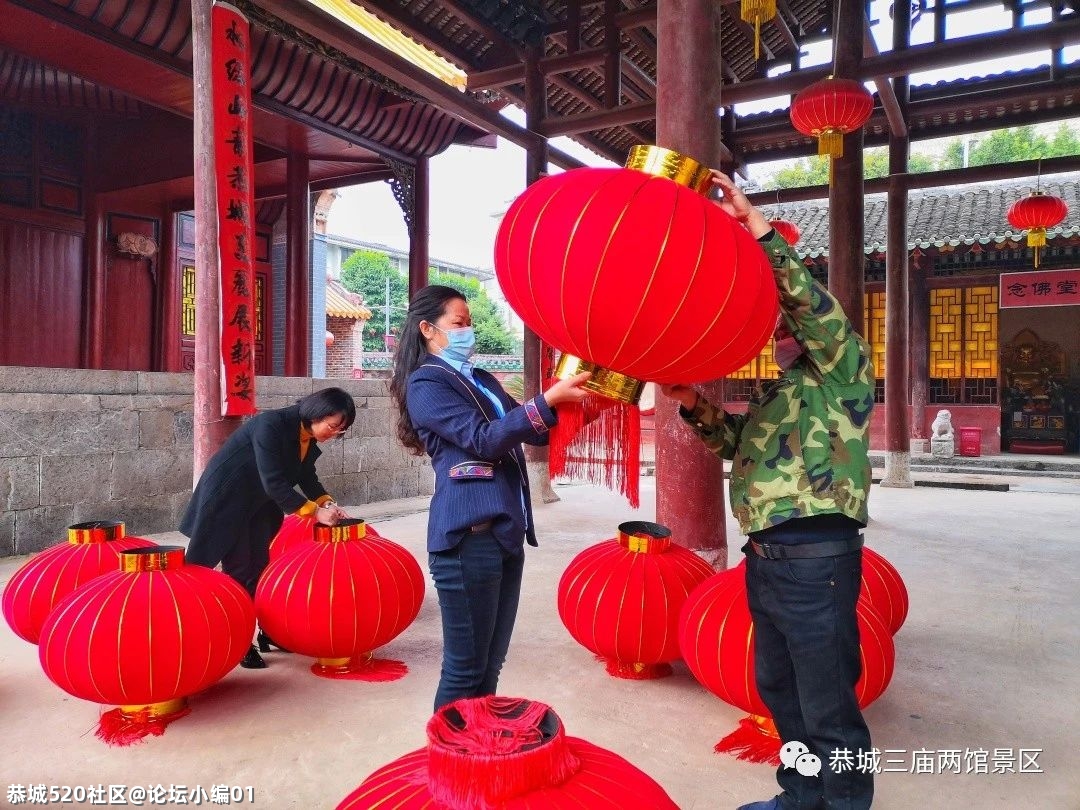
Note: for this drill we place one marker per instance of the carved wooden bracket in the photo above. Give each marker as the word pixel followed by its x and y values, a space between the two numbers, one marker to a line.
pixel 135 244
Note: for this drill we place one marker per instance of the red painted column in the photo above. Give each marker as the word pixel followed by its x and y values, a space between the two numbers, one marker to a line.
pixel 689 479
pixel 846 233
pixel 211 429
pixel 919 350
pixel 897 392
pixel 533 349
pixel 418 239
pixel 297 266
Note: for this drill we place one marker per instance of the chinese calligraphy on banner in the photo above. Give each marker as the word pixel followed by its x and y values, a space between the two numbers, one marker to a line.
pixel 1046 288
pixel 234 170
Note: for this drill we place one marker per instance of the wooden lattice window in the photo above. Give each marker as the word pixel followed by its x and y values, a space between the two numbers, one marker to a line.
pixel 964 345
pixel 187 302
pixel 259 281
pixel 762 367
pixel 874 332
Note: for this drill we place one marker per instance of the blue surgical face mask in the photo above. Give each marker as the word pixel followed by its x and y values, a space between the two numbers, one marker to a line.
pixel 461 343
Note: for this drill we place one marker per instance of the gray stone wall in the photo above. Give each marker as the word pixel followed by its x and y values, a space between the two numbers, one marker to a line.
pixel 78 445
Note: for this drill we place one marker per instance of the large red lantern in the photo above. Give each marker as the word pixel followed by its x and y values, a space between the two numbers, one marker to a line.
pixel 716 635
pixel 146 637
pixel 884 589
pixel 788 230
pixel 634 271
pixel 511 754
pixel 1035 214
pixel 829 109
pixel 339 598
pixel 621 599
pixel 34 590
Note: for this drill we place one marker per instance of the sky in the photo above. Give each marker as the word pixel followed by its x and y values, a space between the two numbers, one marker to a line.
pixel 471 187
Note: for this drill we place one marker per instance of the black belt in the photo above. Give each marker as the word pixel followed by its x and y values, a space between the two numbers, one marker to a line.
pixel 481 527
pixel 805 551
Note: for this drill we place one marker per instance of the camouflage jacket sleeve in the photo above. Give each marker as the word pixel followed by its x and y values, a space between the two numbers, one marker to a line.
pixel 717 428
pixel 815 318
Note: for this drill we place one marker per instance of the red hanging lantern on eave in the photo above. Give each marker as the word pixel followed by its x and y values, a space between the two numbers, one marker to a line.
pixel 146 637
pixel 507 753
pixel 341 597
pixel 621 599
pixel 92 549
pixel 1035 214
pixel 788 230
pixel 829 109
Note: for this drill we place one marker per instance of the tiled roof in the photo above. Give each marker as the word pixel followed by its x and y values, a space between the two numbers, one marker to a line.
pixel 340 303
pixel 962 215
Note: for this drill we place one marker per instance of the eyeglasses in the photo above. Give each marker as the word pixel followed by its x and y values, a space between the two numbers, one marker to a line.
pixel 338 429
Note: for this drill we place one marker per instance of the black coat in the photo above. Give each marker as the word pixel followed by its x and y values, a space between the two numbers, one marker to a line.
pixel 249 486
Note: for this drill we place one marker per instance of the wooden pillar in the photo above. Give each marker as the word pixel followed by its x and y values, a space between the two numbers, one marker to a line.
pixel 897 392
pixel 168 282
pixel 211 429
pixel 533 349
pixel 846 235
pixel 418 237
pixel 94 306
pixel 919 352
pixel 297 266
pixel 689 479
pixel 897 435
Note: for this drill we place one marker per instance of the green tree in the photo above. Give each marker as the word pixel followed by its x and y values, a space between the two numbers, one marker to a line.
pixel 365 272
pixel 1009 146
pixel 492 337
pixel 814 171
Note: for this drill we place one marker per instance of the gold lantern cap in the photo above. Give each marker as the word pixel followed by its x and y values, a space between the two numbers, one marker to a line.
pixel 657 160
pixel 344 531
pixel 604 381
pixel 95 531
pixel 644 537
pixel 154 558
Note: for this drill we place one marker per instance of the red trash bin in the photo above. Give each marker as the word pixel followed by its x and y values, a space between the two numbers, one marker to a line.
pixel 971 441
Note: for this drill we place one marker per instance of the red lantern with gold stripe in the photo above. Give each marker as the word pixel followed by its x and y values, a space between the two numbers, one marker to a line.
pixel 1035 214
pixel 788 230
pixel 884 589
pixel 620 599
pixel 511 754
pixel 92 549
pixel 716 635
pixel 829 109
pixel 634 275
pixel 341 597
pixel 146 637
pixel 634 270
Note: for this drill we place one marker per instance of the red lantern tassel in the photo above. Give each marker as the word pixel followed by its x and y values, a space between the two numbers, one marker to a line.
pixel 123 727
pixel 755 740
pixel 362 668
pixel 634 672
pixel 598 441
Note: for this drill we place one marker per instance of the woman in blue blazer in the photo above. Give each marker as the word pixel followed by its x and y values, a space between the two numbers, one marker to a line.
pixel 481 514
pixel 250 484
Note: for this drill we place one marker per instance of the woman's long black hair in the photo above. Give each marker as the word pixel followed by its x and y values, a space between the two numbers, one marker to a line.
pixel 427 305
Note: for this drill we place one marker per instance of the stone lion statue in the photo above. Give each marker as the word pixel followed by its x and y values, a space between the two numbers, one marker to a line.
pixel 942 426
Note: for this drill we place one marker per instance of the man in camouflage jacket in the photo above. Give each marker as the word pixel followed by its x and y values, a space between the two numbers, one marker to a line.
pixel 800 478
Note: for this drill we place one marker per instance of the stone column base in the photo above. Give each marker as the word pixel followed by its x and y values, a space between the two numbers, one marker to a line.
pixel 897 470
pixel 919 447
pixel 540 483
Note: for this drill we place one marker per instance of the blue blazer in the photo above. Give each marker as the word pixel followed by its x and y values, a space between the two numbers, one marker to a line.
pixel 479 466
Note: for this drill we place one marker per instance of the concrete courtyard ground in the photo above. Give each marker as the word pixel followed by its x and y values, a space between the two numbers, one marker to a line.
pixel 989 660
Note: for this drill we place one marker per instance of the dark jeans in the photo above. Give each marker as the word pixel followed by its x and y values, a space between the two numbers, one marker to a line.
pixel 806 656
pixel 478 582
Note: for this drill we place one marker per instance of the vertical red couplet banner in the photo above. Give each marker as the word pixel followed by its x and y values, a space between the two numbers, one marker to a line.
pixel 234 172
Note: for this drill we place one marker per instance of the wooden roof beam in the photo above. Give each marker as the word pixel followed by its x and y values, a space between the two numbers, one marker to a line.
pixel 392 13
pixel 549 65
pixel 338 35
pixel 929 56
pixel 624 20
pixel 598 119
pixel 944 178
pixel 889 102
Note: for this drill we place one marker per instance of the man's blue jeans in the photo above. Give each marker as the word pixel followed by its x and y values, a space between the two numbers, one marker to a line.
pixel 807 662
pixel 479 583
